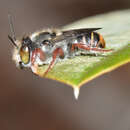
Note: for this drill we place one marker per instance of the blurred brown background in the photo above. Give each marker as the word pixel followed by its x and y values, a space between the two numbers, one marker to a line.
pixel 28 102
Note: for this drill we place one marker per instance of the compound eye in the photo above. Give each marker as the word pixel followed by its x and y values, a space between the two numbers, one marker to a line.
pixel 25 54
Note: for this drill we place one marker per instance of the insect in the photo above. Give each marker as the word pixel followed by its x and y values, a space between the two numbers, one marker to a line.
pixel 46 47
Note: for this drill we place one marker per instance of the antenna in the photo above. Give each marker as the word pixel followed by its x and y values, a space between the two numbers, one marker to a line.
pixel 11 26
pixel 12 38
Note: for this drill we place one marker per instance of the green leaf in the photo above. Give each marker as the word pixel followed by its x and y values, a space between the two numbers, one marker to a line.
pixel 81 69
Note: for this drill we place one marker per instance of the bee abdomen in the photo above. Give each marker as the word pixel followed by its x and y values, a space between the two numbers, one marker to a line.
pixel 92 39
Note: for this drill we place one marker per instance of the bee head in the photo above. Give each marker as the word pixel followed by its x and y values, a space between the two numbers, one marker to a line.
pixel 22 48
pixel 24 51
pixel 21 52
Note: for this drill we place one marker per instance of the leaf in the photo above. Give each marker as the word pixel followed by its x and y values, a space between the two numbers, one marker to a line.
pixel 81 69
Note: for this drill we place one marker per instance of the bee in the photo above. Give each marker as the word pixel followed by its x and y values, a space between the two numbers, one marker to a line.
pixel 46 47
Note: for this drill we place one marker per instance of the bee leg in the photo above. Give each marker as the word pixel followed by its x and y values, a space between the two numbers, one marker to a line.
pixel 82 46
pixel 72 50
pixel 57 52
pixel 34 68
pixel 35 53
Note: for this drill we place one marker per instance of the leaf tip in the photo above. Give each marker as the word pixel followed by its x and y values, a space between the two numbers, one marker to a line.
pixel 76 92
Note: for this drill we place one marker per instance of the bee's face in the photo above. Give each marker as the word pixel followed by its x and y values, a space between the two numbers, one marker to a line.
pixel 22 54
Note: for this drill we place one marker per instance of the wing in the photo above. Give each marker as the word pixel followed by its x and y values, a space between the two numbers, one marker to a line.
pixel 70 34
pixel 80 31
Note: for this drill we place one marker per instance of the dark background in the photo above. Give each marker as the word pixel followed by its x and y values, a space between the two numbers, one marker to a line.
pixel 28 102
